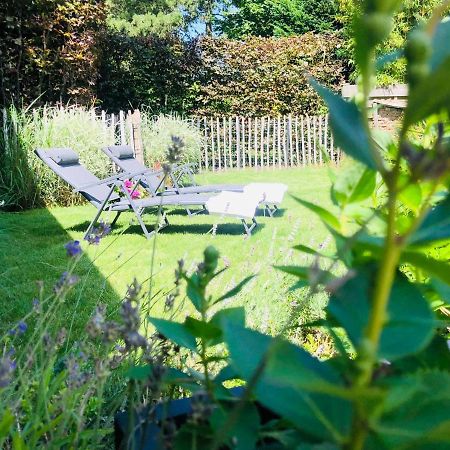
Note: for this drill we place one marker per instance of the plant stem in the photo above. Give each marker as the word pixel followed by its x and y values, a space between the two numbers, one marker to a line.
pixel 367 356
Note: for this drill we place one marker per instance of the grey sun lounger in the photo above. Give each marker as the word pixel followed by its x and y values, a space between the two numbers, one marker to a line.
pixel 123 157
pixel 102 194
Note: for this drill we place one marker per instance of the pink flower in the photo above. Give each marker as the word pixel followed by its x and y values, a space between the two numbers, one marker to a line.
pixel 135 194
pixel 128 184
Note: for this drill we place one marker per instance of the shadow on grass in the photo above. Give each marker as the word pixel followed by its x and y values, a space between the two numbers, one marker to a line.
pixel 33 252
pixel 223 228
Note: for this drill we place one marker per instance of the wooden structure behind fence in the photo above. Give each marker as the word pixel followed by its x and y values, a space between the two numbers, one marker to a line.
pixel 238 142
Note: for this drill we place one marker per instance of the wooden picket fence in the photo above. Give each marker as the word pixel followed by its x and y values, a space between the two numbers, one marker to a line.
pixel 238 142
pixel 283 141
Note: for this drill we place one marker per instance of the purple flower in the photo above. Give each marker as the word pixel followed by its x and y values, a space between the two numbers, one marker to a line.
pixel 66 281
pixel 22 327
pixel 97 233
pixel 73 248
pixel 7 367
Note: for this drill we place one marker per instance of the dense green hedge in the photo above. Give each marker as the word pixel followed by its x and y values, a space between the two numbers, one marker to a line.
pixel 261 76
pixel 48 50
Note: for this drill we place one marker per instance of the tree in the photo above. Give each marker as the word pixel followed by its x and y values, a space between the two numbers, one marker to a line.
pixel 143 17
pixel 278 17
pixel 160 17
pixel 411 13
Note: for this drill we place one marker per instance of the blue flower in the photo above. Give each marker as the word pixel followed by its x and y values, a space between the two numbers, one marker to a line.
pixel 97 233
pixel 22 327
pixel 73 248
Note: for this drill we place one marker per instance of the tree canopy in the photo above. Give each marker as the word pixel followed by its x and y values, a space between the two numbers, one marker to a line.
pixel 278 17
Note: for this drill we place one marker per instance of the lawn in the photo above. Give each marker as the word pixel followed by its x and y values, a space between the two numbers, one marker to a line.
pixel 32 250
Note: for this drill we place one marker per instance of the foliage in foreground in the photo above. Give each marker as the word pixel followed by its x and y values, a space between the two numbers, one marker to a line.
pixel 392 389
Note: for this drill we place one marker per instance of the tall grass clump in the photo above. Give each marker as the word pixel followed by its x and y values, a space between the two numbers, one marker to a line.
pixel 24 181
pixel 157 135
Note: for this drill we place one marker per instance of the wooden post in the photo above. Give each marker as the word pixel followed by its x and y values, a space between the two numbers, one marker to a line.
pixel 261 156
pixel 213 153
pixel 218 143
pixel 308 122
pixel 303 142
pixel 268 142
pixel 325 138
pixel 198 124
pixel 279 141
pixel 123 138
pixel 136 121
pixel 113 129
pixel 320 140
pixel 285 142
pixel 129 120
pixel 230 140
pixel 205 127
pixel 243 141
pixel 291 147
pixel 255 141
pixel 273 143
pixel 249 151
pixel 224 128
pixel 238 143
pixel 315 138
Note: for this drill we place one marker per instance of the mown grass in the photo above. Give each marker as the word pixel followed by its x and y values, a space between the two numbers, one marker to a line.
pixel 31 249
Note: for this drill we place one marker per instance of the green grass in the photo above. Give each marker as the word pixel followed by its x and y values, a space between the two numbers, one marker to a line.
pixel 32 242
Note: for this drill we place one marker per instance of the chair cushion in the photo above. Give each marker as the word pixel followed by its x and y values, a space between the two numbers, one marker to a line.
pixel 122 151
pixel 63 156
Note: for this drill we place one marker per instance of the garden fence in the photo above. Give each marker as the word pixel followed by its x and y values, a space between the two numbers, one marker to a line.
pixel 237 142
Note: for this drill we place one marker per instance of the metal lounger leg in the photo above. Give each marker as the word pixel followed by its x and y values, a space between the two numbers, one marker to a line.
pixel 271 210
pixel 249 228
pixel 99 211
pixel 115 218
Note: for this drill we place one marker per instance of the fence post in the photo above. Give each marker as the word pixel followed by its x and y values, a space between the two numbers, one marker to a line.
pixel 243 141
pixel 123 138
pixel 261 158
pixel 136 121
pixel 303 142
pixel 308 122
pixel 238 143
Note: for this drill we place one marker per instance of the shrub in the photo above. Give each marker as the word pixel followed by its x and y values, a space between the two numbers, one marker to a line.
pixel 49 50
pixel 24 181
pixel 267 76
pixel 157 135
pixel 154 71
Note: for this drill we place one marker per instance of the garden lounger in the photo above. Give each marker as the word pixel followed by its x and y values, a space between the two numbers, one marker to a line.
pixel 122 155
pixel 102 193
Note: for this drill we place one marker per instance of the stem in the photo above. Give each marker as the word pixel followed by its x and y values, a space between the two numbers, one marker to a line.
pixel 367 354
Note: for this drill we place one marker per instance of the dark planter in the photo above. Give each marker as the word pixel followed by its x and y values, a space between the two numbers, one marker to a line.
pixel 147 435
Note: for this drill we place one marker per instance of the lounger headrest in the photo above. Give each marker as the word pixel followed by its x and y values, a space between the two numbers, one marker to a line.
pixel 63 156
pixel 121 151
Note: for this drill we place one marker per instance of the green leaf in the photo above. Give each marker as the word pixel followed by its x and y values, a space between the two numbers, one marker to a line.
pixel 204 330
pixel 388 58
pixel 225 374
pixel 194 292
pixel 311 251
pixel 176 332
pixel 411 196
pixel 243 435
pixel 433 267
pixel 328 218
pixel 349 131
pixel 6 423
pixel 436 226
pixel 417 412
pixel 235 290
pixel 355 184
pixel 307 273
pixel 430 96
pixel 441 49
pixel 235 315
pixel 291 382
pixel 410 322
